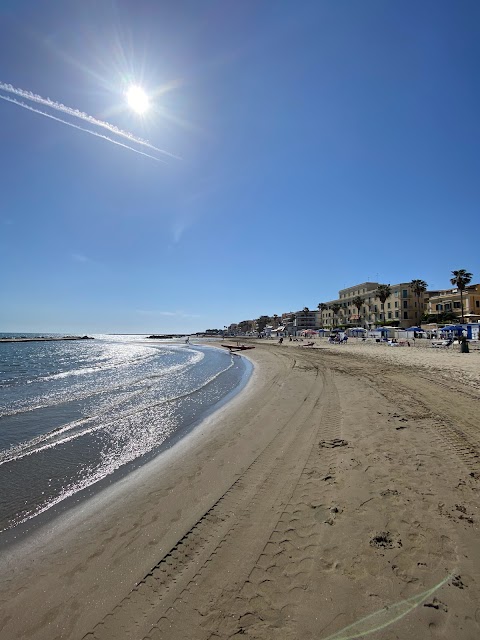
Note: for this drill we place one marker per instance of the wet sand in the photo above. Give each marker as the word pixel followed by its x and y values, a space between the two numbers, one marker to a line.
pixel 341 481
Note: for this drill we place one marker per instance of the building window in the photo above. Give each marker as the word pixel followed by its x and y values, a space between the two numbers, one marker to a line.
pixel 375 308
pixel 457 305
pixel 389 306
pixel 396 314
pixel 438 307
pixel 405 304
pixel 396 293
pixel 405 315
pixel 448 306
pixel 404 293
pixel 396 304
pixel 477 303
pixel 389 315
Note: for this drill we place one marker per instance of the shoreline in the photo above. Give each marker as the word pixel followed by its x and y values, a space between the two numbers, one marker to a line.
pixel 309 501
pixel 24 531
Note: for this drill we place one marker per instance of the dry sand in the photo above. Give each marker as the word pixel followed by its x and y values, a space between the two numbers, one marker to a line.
pixel 343 481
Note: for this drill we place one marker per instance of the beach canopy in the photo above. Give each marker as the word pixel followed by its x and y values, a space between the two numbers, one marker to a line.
pixel 452 327
pixel 322 331
pixel 418 329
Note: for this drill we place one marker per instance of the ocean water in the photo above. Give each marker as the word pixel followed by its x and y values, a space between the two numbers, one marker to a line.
pixel 74 415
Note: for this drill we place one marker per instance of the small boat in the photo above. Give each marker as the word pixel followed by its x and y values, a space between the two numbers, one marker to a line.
pixel 237 347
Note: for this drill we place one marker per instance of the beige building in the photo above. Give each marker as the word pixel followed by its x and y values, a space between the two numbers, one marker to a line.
pixel 402 308
pixel 442 301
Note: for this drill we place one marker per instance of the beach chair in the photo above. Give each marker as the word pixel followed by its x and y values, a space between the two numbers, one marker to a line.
pixel 442 344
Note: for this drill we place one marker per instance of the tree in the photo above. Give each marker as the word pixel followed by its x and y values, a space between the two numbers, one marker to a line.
pixel 418 287
pixel 321 307
pixel 275 321
pixel 460 280
pixel 442 316
pixel 262 323
pixel 245 326
pixel 358 302
pixel 335 308
pixel 383 292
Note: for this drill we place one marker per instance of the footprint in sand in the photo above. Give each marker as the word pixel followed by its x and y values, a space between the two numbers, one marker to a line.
pixel 331 444
pixel 389 492
pixel 385 540
pixel 437 604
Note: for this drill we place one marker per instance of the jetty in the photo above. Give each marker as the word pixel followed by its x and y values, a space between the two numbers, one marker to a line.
pixel 44 338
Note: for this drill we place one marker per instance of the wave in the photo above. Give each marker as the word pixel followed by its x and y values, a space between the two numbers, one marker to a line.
pixel 126 443
pixel 109 364
pixel 31 446
pixel 68 395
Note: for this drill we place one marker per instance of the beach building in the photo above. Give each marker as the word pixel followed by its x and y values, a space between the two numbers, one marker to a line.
pixel 303 320
pixel 449 300
pixel 402 308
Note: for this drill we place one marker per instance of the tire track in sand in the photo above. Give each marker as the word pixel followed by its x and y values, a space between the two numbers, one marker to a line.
pixel 254 501
pixel 261 592
pixel 265 604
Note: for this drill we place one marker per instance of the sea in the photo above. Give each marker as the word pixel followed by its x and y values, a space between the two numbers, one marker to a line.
pixel 77 415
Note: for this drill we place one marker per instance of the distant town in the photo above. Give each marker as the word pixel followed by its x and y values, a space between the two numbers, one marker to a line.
pixel 370 305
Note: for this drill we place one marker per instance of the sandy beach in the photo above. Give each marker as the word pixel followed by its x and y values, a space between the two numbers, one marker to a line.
pixel 340 488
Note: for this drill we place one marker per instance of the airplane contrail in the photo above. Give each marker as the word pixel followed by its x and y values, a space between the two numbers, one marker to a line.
pixel 76 126
pixel 75 113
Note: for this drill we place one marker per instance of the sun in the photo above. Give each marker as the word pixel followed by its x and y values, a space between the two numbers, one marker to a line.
pixel 137 99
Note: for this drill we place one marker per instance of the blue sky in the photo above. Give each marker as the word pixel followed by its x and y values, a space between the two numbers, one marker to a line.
pixel 321 144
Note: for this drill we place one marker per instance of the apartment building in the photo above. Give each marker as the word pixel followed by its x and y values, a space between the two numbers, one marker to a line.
pixel 401 308
pixel 305 320
pixel 442 301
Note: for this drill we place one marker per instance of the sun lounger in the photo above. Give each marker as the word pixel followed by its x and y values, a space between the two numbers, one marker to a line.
pixel 441 344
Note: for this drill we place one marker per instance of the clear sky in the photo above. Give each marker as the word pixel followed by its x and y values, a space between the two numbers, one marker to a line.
pixel 320 144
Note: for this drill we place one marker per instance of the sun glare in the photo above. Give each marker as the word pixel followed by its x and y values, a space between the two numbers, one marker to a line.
pixel 137 99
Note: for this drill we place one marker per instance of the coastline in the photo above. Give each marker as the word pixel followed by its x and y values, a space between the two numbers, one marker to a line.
pixel 46 519
pixel 271 506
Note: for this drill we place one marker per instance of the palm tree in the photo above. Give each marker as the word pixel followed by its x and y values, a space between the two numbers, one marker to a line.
pixel 383 292
pixel 460 280
pixel 418 287
pixel 321 307
pixel 335 308
pixel 358 302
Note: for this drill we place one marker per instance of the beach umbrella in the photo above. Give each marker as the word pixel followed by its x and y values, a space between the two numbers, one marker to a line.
pixel 453 327
pixel 417 329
